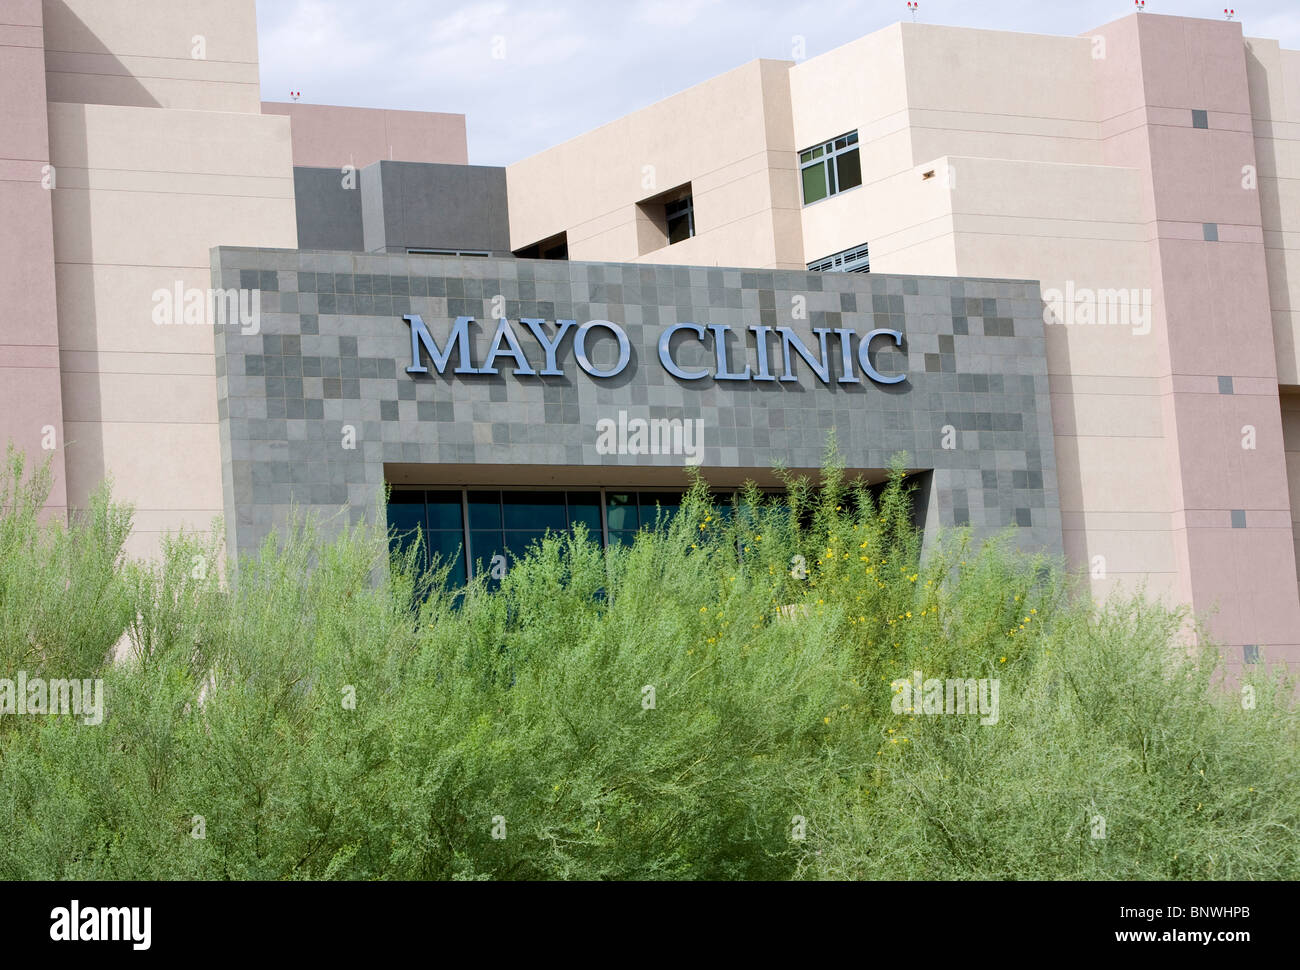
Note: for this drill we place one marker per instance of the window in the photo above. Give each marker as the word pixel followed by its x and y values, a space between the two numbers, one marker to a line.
pixel 556 247
pixel 855 260
pixel 488 529
pixel 665 219
pixel 439 519
pixel 629 512
pixel 446 252
pixel 1200 118
pixel 831 168
pixel 681 219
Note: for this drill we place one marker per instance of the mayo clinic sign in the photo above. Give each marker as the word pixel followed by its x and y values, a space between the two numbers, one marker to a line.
pixel 773 360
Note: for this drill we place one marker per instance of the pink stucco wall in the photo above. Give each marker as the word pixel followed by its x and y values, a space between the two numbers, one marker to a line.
pixel 328 136
pixel 1212 316
pixel 31 408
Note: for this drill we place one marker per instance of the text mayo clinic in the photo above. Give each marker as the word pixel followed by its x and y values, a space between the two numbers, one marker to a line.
pixel 854 354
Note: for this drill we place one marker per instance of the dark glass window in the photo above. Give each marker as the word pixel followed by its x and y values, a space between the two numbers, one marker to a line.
pixel 485 510
pixel 407 524
pixel 656 504
pixel 503 524
pixel 534 510
pixel 621 511
pixel 681 219
pixel 584 507
pixel 446 511
pixel 450 547
pixel 828 169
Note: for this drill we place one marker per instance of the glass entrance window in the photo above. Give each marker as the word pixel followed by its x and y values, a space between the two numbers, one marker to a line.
pixel 434 522
pixel 488 530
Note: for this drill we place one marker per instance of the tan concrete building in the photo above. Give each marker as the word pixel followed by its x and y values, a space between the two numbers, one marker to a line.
pixel 1147 174
pixel 136 141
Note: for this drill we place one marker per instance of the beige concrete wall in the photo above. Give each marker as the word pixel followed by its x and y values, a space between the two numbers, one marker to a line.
pixel 1000 94
pixel 153 53
pixel 159 157
pixel 1081 226
pixel 915 93
pixel 862 86
pixel 730 138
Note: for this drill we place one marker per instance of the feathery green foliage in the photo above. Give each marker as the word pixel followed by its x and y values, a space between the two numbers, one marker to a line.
pixel 681 708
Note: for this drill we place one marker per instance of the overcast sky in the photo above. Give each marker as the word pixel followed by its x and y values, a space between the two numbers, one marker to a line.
pixel 529 74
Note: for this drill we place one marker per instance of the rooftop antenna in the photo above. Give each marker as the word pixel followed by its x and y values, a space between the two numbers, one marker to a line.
pixel 1229 13
pixel 913 6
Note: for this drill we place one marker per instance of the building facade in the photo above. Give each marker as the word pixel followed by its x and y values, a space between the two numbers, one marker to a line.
pixel 1086 247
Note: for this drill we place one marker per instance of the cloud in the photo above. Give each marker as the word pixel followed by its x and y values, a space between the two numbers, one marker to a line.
pixel 671 13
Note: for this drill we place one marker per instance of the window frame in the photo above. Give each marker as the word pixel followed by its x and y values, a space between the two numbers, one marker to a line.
pixel 827 155
pixel 687 209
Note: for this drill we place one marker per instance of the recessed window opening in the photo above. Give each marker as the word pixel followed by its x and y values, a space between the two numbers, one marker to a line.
pixel 553 247
pixel 665 219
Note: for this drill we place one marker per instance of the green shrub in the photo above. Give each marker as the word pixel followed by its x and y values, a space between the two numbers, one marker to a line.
pixel 682 708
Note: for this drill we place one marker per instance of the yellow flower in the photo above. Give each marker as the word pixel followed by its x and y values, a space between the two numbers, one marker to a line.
pixel 1003 660
pixel 826 720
